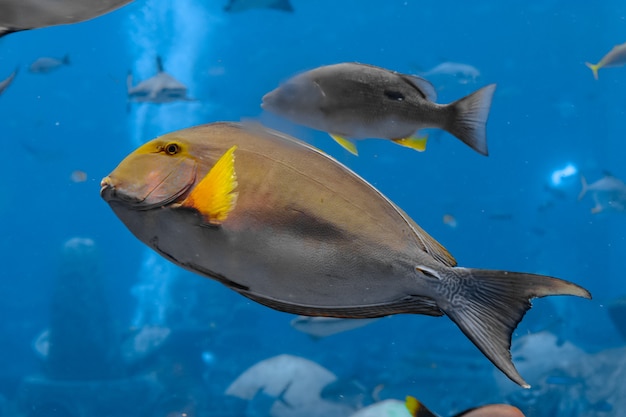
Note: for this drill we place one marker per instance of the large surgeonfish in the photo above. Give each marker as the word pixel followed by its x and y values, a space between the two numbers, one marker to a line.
pixel 288 226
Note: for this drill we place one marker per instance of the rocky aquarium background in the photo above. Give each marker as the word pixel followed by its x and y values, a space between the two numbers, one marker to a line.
pixel 94 324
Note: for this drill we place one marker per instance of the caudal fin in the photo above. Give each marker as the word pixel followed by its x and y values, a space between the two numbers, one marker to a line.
pixel 490 304
pixel 469 120
pixel 594 68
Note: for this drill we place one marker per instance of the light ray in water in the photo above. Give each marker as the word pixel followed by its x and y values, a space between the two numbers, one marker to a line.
pixel 180 33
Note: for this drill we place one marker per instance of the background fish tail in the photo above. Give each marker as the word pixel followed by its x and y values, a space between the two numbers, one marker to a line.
pixel 469 118
pixel 594 68
pixel 491 305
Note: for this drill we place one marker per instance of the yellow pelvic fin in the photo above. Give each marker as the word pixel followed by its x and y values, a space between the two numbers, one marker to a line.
pixel 594 68
pixel 214 196
pixel 413 142
pixel 345 143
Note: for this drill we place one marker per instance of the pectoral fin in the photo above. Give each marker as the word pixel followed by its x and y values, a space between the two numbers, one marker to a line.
pixel 345 143
pixel 214 196
pixel 413 142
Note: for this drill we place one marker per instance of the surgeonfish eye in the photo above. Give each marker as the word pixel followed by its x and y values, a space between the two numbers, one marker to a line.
pixel 171 148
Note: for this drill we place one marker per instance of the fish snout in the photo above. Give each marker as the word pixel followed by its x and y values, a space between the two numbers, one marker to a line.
pixel 107 189
pixel 266 101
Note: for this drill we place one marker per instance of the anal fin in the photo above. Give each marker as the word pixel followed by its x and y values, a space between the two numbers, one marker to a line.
pixel 413 142
pixel 345 143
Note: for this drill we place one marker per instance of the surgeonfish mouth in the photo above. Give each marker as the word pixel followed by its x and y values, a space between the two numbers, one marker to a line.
pixel 110 194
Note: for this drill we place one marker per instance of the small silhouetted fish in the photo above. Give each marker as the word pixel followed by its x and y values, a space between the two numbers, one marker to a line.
pixel 4 84
pixel 242 5
pixel 320 327
pixel 357 101
pixel 616 57
pixel 45 65
pixel 162 88
pixel 16 15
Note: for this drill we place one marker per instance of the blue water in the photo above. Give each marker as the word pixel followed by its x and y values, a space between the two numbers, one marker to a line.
pixel 547 112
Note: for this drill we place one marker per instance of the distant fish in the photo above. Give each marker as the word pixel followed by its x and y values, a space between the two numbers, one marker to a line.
pixel 4 84
pixel 615 58
pixel 320 327
pixel 352 100
pixel 242 5
pixel 292 384
pixel 78 176
pixel 608 192
pixel 162 88
pixel 45 65
pixel 464 73
pixel 450 221
pixel 142 342
pixel 16 15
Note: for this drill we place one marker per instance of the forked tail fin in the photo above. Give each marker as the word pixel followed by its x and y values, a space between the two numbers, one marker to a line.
pixel 488 305
pixel 469 118
pixel 594 68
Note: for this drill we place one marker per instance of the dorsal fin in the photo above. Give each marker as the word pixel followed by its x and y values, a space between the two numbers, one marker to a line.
pixel 159 62
pixel 428 243
pixel 423 85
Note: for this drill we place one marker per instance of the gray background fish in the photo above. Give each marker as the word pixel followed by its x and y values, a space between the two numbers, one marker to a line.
pixel 363 101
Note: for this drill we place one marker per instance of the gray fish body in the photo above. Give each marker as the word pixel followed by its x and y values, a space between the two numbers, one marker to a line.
pixel 615 57
pixel 267 275
pixel 363 101
pixel 308 236
pixel 16 15
pixel 162 88
pixel 608 184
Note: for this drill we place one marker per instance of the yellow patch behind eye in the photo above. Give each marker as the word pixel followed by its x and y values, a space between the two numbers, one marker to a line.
pixel 214 196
